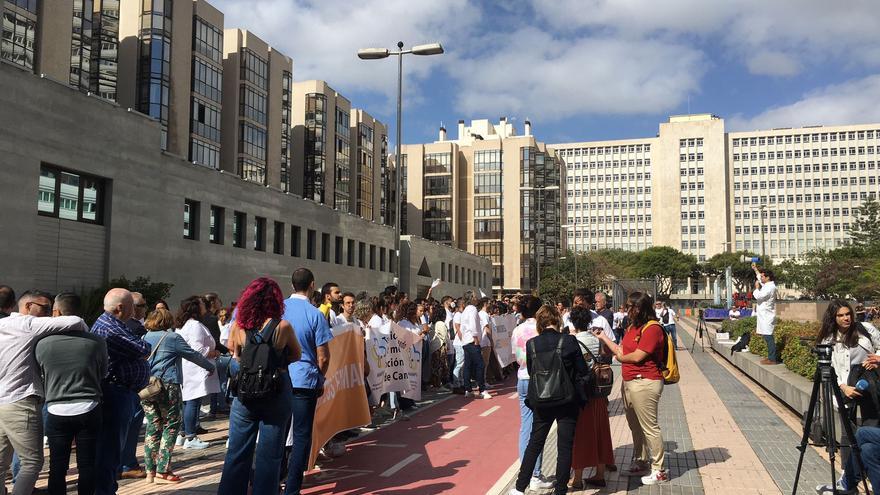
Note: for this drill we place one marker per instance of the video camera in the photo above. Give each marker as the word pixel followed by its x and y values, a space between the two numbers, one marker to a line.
pixel 823 354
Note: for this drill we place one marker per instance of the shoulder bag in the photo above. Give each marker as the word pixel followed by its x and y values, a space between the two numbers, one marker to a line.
pixel 154 386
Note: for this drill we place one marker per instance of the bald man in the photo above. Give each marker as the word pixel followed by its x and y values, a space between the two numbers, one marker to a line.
pixel 21 388
pixel 128 373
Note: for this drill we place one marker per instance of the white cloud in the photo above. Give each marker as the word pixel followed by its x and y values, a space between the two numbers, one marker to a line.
pixel 772 63
pixel 529 72
pixel 852 102
pixel 798 32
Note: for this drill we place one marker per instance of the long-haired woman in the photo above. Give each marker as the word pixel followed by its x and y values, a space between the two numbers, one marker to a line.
pixel 197 382
pixel 640 352
pixel 260 308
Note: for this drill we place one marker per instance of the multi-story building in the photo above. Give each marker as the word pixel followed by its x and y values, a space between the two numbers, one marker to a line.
pixel 322 137
pixel 369 158
pixel 490 192
pixel 254 78
pixel 698 188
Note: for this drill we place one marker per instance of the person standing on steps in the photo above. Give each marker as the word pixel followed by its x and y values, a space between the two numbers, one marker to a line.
pixel 765 295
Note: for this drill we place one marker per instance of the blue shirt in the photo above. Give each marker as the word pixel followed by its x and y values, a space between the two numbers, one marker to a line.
pixel 312 331
pixel 166 364
pixel 127 352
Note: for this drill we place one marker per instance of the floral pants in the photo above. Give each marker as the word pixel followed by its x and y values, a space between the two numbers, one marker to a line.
pixel 163 414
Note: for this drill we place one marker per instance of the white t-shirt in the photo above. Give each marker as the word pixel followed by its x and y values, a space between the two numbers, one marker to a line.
pixel 375 322
pixel 618 319
pixel 72 408
pixel 341 319
pixel 599 321
pixel 485 321
pixel 456 320
pixel 224 333
pixel 470 324
pixel 412 327
pixel 670 316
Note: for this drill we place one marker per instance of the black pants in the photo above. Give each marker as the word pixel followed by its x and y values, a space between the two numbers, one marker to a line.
pixel 62 430
pixel 566 419
pixel 473 367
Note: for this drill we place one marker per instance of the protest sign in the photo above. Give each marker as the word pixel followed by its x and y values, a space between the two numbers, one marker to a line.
pixel 501 333
pixel 411 345
pixel 389 366
pixel 343 405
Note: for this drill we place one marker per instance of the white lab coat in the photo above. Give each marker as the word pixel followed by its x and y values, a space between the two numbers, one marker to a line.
pixel 197 382
pixel 766 308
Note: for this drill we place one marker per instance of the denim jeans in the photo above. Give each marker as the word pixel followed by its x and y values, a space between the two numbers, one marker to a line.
pixel 771 347
pixel 129 452
pixel 525 425
pixel 118 409
pixel 868 438
pixel 473 367
pixel 459 366
pixel 270 418
pixel 218 400
pixel 191 410
pixel 670 330
pixel 304 402
pixel 62 431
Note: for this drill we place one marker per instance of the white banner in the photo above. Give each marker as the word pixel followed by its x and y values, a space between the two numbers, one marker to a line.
pixel 394 367
pixel 501 332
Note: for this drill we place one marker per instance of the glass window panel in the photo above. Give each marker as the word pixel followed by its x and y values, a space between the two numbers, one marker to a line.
pixel 48 183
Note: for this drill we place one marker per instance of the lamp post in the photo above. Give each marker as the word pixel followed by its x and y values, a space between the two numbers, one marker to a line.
pixel 380 53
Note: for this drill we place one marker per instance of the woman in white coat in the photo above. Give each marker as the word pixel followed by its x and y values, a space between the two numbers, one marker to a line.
pixel 197 382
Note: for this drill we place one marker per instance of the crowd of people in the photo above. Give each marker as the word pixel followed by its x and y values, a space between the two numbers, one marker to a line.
pixel 262 361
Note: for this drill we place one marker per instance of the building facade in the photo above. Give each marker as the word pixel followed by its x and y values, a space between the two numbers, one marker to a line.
pixel 369 160
pixel 491 192
pixel 703 190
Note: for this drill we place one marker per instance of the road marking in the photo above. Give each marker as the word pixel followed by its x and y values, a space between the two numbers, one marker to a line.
pixel 400 465
pixel 514 395
pixel 454 432
pixel 391 445
pixel 490 411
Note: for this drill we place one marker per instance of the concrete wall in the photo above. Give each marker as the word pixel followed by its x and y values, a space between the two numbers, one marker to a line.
pixel 438 257
pixel 144 205
pixel 801 310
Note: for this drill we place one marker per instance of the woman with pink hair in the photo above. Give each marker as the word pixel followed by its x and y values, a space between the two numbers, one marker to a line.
pixel 258 319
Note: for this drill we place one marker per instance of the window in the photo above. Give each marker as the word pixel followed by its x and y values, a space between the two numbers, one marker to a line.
pixel 325 247
pixel 278 238
pixel 311 239
pixel 70 196
pixel 350 257
pixel 259 234
pixel 381 259
pixel 254 69
pixel 19 36
pixel 438 163
pixel 239 224
pixel 362 255
pixel 338 250
pixel 295 234
pixel 372 257
pixel 190 219
pixel 216 223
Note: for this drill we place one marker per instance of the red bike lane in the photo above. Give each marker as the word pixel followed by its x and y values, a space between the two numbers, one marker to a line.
pixel 457 446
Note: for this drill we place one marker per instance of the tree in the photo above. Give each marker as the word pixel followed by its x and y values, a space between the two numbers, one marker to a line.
pixel 667 265
pixel 743 275
pixel 865 228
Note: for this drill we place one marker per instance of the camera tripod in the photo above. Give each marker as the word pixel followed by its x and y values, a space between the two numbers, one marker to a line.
pixel 825 382
pixel 701 331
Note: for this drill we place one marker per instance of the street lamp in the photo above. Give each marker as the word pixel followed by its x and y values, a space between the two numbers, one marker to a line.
pixel 380 53
pixel 761 209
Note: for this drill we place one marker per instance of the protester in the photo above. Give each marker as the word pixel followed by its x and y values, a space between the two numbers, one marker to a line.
pixel 667 318
pixel 161 304
pixel 592 438
pixel 601 307
pixel 564 412
pixel 131 468
pixel 438 344
pixel 640 353
pixel 619 324
pixel 470 330
pixel 211 320
pixel 765 295
pixel 485 334
pixel 307 374
pixel 72 366
pixel 524 332
pixel 127 374
pixel 458 386
pixel 7 301
pixel 260 309
pixel 164 411
pixel 331 296
pixel 347 309
pixel 198 382
pixel 21 389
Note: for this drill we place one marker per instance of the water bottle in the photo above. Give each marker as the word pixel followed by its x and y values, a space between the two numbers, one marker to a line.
pixel 862 385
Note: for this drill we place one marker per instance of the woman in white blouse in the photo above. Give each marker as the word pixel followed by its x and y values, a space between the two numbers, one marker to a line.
pixel 197 382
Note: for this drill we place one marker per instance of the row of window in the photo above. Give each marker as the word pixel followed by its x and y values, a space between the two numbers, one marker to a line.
pixel 814 167
pixel 793 213
pixel 778 155
pixel 610 164
pixel 348 252
pixel 612 233
pixel 461 275
pixel 611 218
pixel 610 204
pixel 799 198
pixel 788 184
pixel 609 191
pixel 690 142
pixel 690 157
pixel 604 150
pixel 611 177
pixel 819 227
pixel 806 138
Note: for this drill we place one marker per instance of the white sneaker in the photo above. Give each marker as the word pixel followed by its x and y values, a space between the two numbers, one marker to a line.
pixel 468 394
pixel 485 395
pixel 655 478
pixel 195 444
pixel 179 441
pixel 538 483
pixel 514 491
pixel 227 443
pixel 45 442
pixel 825 489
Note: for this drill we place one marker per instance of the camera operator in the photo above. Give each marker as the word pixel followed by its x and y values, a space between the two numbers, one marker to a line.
pixel 853 346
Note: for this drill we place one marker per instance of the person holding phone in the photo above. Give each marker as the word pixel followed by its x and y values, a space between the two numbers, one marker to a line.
pixel 640 353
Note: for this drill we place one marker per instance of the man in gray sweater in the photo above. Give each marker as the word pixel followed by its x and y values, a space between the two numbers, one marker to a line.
pixel 72 365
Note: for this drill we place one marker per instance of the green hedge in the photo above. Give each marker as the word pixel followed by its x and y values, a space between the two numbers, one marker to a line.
pixel 794 353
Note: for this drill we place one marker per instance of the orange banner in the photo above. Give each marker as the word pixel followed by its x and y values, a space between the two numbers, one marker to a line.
pixel 344 403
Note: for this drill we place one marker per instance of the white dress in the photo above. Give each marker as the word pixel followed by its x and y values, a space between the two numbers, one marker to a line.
pixel 197 382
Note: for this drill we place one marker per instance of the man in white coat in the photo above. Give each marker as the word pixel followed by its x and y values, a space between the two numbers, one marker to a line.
pixel 765 295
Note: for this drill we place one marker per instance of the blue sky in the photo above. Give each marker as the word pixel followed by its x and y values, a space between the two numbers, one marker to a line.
pixel 587 69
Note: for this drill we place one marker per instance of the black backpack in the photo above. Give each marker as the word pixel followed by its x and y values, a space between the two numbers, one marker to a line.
pixel 550 384
pixel 261 365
